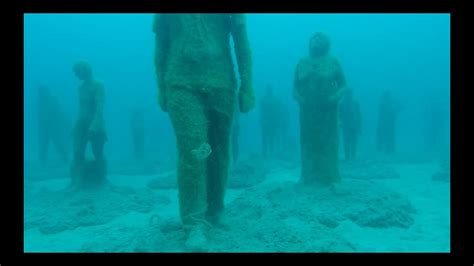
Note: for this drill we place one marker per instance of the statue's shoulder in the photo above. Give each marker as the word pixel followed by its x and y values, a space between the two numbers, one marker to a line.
pixel 333 60
pixel 304 60
pixel 154 27
pixel 98 84
pixel 160 21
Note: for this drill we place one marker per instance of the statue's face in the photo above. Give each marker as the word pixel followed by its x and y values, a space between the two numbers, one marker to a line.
pixel 319 45
pixel 82 70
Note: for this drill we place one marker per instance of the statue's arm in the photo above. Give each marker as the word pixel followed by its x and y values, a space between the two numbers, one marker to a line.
pixel 341 85
pixel 99 107
pixel 238 30
pixel 243 53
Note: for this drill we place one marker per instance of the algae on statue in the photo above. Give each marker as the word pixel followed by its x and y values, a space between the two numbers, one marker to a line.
pixel 319 84
pixel 197 86
pixel 89 127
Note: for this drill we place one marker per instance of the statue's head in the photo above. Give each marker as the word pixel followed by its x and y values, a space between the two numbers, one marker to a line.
pixel 83 70
pixel 319 45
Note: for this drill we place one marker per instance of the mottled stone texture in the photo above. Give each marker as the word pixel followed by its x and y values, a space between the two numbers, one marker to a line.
pixel 89 127
pixel 198 88
pixel 318 86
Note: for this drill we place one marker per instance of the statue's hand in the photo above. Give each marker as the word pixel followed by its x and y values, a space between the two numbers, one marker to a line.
pixel 92 132
pixel 96 126
pixel 246 100
pixel 337 95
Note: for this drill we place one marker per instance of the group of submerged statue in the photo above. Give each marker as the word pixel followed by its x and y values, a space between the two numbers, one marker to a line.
pixel 199 90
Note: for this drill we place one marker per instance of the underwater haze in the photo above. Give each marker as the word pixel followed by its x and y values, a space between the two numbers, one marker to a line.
pixel 386 201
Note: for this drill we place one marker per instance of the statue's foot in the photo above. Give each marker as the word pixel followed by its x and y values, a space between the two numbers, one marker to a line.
pixel 218 219
pixel 89 174
pixel 196 240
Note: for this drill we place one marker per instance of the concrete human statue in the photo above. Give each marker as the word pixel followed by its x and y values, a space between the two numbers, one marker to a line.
pixel 269 122
pixel 52 127
pixel 319 84
pixel 197 86
pixel 350 118
pixel 388 112
pixel 89 128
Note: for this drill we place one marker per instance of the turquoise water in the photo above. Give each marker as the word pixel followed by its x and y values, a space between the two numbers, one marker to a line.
pixel 394 203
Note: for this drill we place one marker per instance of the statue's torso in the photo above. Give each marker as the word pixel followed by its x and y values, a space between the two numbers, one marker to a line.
pixel 349 111
pixel 87 100
pixel 199 50
pixel 318 77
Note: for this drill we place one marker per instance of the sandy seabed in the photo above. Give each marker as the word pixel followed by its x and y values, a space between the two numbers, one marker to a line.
pixel 403 210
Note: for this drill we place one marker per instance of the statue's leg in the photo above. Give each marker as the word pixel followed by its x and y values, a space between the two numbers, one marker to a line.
pixel 310 140
pixel 347 152
pixel 274 143
pixel 305 148
pixel 97 145
pixel 379 140
pixel 354 146
pixel 188 117
pixel 141 144
pixel 264 142
pixel 269 139
pixel 43 146
pixel 135 143
pixel 99 167
pixel 235 145
pixel 335 133
pixel 391 142
pixel 79 143
pixel 138 144
pixel 326 161
pixel 356 142
pixel 221 112
pixel 333 146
